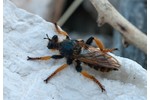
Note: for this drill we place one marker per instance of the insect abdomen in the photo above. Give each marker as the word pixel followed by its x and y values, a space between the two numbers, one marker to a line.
pixel 102 69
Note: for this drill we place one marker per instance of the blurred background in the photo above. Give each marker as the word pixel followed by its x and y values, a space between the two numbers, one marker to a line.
pixel 82 22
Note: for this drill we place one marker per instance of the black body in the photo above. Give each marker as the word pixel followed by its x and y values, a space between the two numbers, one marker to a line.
pixel 82 52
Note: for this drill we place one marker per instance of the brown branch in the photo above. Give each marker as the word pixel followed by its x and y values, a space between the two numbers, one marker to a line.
pixel 108 14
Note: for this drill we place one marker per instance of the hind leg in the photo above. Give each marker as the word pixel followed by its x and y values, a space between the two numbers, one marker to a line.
pixel 99 44
pixel 87 75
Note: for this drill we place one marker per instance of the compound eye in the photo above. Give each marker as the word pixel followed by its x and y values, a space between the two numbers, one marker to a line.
pixel 50 45
pixel 55 38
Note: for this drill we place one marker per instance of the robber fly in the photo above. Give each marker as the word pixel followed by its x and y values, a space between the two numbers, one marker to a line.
pixel 80 52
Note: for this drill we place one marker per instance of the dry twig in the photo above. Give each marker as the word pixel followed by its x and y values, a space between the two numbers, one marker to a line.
pixel 69 12
pixel 108 14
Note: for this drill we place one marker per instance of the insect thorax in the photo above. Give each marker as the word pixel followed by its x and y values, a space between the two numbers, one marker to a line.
pixel 69 48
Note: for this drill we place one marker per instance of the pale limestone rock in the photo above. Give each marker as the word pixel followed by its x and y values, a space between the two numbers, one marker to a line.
pixel 23 80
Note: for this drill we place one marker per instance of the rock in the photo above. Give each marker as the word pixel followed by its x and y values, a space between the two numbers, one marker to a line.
pixel 23 80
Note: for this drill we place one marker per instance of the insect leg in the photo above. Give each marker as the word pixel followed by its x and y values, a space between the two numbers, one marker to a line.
pixel 90 40
pixel 67 37
pixel 39 58
pixel 60 31
pixel 109 50
pixel 57 56
pixel 45 57
pixel 55 72
pixel 69 61
pixel 99 44
pixel 78 66
pixel 85 74
pixel 97 41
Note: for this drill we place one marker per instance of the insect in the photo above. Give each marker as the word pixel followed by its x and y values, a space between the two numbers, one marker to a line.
pixel 79 52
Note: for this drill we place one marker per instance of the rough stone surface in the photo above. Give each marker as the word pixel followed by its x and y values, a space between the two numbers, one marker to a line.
pixel 23 80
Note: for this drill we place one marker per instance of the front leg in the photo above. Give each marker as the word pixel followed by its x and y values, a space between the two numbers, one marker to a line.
pixel 87 75
pixel 45 57
pixel 39 58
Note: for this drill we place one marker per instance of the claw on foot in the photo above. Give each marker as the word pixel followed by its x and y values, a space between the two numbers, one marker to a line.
pixel 29 58
pixel 46 81
pixel 103 89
